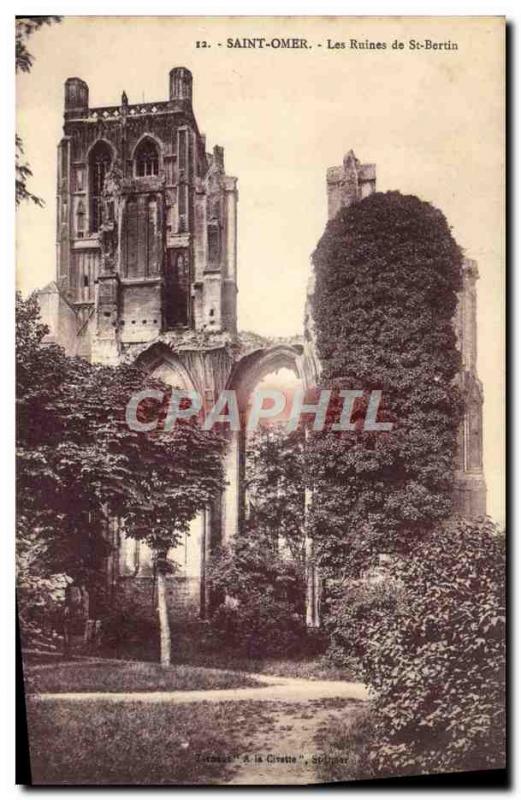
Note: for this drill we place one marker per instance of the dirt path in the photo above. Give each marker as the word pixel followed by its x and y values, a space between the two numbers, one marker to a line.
pixel 275 689
pixel 287 753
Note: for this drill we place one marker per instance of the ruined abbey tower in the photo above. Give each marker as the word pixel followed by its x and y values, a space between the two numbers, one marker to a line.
pixel 146 224
pixel 147 274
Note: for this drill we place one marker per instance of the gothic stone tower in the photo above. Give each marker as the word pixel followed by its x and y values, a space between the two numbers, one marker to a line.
pixel 349 183
pixel 147 273
pixel 146 225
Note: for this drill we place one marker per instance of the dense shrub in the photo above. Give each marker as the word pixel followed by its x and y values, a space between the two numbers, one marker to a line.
pixel 130 633
pixel 429 638
pixel 257 584
pixel 40 593
pixel 261 608
pixel 353 608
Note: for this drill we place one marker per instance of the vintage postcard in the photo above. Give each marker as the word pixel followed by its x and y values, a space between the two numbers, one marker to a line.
pixel 260 398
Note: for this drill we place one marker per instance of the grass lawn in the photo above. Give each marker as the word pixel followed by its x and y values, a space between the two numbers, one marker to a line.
pixel 313 668
pixel 126 676
pixel 102 742
pixel 310 668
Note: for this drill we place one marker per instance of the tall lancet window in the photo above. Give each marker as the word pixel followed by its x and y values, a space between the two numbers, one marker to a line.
pixel 99 164
pixel 80 220
pixel 146 159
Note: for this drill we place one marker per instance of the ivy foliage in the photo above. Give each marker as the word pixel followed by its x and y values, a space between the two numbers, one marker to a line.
pixel 414 595
pixel 387 275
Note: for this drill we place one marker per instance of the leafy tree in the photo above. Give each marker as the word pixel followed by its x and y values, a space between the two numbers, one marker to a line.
pixel 25 27
pixel 23 173
pixel 58 453
pixel 79 463
pixel 40 374
pixel 180 473
pixel 387 275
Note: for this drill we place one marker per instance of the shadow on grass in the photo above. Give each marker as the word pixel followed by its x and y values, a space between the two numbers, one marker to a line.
pixel 309 667
pixel 133 743
pixel 111 676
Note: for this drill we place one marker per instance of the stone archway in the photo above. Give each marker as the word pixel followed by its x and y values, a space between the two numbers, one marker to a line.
pixel 187 592
pixel 208 370
pixel 251 368
pixel 160 362
pixel 246 374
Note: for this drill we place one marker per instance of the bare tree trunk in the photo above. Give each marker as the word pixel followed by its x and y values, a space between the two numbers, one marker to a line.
pixel 164 623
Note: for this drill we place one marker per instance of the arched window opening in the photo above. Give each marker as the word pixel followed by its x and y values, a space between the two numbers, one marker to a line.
pixel 182 196
pixel 99 164
pixel 214 245
pixel 80 220
pixel 177 289
pixel 146 159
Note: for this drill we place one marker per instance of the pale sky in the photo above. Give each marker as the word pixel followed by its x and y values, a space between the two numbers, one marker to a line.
pixel 431 121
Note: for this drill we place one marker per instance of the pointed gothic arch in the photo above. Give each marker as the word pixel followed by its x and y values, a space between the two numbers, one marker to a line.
pixel 146 157
pixel 159 361
pixel 253 367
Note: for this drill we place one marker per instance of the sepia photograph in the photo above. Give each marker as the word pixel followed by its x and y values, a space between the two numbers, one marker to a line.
pixel 260 399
